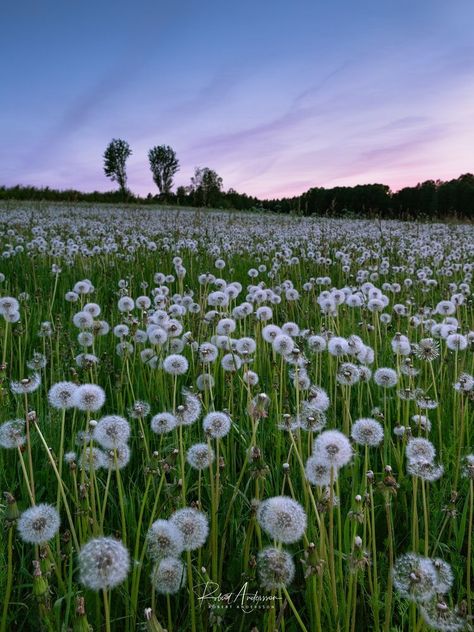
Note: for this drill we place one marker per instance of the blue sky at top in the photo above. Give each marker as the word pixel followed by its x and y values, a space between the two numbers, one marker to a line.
pixel 275 96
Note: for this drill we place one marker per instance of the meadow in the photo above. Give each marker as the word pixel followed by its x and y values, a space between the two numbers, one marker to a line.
pixel 225 421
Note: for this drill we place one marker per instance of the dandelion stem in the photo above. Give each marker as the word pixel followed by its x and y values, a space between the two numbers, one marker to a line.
pixel 61 486
pixel 294 609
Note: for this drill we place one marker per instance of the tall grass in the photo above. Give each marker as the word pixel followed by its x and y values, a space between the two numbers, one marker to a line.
pixel 372 511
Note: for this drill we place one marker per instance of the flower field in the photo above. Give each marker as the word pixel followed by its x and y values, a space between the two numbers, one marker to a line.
pixel 223 421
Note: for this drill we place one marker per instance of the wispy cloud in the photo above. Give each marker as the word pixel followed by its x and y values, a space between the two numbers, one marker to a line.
pixel 79 112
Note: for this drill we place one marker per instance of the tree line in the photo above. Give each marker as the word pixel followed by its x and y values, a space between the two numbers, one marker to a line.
pixel 205 188
pixel 429 199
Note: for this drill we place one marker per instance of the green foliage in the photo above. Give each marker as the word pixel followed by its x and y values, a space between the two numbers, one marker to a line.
pixel 163 165
pixel 429 200
pixel 115 158
pixel 206 187
pixel 388 518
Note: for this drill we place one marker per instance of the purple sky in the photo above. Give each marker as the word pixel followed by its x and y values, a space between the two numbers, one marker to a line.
pixel 275 96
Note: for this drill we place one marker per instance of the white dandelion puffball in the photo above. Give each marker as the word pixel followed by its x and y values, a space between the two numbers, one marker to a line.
pixel 367 431
pixel 175 364
pixel 444 576
pixel 217 424
pixel 88 397
pixel 27 385
pixel 38 524
pixel 387 378
pixel 12 434
pixel 439 616
pixel 283 344
pixel 168 576
pixel 338 346
pixel 200 456
pixel 125 304
pixel 117 458
pixel 111 431
pixel 414 577
pixel 276 568
pixel 194 527
pixel 317 344
pixel 283 518
pixel 92 459
pixel 231 362
pixel 318 399
pixel 163 422
pixel 83 320
pixel 103 563
pixel 164 539
pixel 318 473
pixel 333 448
pixel 61 394
pixel 419 449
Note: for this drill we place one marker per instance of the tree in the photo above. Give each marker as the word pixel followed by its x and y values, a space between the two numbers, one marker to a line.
pixel 115 157
pixel 206 186
pixel 163 165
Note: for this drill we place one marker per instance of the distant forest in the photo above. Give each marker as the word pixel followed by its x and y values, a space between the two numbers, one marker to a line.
pixel 427 200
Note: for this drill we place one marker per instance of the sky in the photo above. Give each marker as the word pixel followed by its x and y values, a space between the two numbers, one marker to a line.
pixel 276 96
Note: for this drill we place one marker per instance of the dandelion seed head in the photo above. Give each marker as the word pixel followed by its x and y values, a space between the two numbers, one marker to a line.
pixel 250 378
pixel 283 344
pixel 118 458
pixel 61 395
pixel 200 456
pixel 205 382
pixel 385 377
pixel 168 576
pixel 27 385
pixel 231 362
pixel 338 346
pixel 111 431
pixel 426 470
pixel 422 422
pixel 12 434
pixel 38 524
pixel 103 563
pixel 189 410
pixel 465 383
pixel 208 353
pixel 92 459
pixel 420 449
pixel 37 362
pixel 139 410
pixel 367 431
pixel 318 473
pixel 125 304
pixel 83 320
pixel 164 539
pixel 194 527
pixel 88 397
pixel 333 448
pixel 439 616
pixel 348 374
pixel 318 399
pixel 444 576
pixel 276 568
pixel 414 577
pixel 175 364
pixel 283 518
pixel 270 332
pixel 217 424
pixel 427 349
pixel 468 469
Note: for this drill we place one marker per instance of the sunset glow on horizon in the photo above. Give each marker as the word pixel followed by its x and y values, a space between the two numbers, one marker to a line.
pixel 277 98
